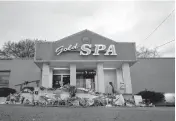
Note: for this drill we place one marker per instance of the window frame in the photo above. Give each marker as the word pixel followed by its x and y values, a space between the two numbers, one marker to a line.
pixel 7 83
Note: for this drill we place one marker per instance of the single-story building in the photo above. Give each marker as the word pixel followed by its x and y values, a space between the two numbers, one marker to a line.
pixel 89 60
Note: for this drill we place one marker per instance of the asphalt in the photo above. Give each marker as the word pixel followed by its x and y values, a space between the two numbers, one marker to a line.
pixel 29 113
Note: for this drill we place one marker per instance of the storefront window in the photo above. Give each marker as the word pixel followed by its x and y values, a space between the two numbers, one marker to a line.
pixel 4 78
pixel 80 81
pixel 85 79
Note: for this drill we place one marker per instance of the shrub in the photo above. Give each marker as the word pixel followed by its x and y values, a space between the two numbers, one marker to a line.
pixel 4 91
pixel 154 97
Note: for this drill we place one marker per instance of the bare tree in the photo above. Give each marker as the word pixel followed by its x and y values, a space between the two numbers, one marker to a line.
pixel 143 52
pixel 22 49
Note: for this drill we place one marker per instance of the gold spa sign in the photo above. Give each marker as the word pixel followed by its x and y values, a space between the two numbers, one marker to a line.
pixel 85 49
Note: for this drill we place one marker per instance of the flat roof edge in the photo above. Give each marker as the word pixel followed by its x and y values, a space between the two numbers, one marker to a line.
pixel 158 58
pixel 16 59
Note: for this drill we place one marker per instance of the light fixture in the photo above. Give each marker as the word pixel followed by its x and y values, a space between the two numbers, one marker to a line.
pixel 109 68
pixel 61 68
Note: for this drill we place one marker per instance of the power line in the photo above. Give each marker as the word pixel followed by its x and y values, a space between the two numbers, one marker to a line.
pixel 164 44
pixel 159 25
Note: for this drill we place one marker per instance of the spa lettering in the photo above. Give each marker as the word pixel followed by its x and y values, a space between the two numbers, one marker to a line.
pixel 86 49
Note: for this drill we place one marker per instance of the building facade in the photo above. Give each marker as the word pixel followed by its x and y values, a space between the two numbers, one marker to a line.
pixel 86 58
pixel 89 60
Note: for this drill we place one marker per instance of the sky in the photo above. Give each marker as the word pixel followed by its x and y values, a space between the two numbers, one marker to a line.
pixel 121 21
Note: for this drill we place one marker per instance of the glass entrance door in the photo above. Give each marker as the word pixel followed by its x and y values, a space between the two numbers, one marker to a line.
pixel 66 79
pixel 60 80
pixel 56 81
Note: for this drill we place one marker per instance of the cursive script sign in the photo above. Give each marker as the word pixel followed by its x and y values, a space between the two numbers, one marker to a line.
pixel 61 49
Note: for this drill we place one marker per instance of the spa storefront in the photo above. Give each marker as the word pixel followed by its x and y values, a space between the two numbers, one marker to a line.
pixel 86 60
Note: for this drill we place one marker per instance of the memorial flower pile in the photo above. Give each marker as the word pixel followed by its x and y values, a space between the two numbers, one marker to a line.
pixel 68 96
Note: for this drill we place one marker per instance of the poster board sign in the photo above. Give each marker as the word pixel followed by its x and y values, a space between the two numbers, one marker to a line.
pixel 122 85
pixel 138 100
pixel 119 100
pixel 129 99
